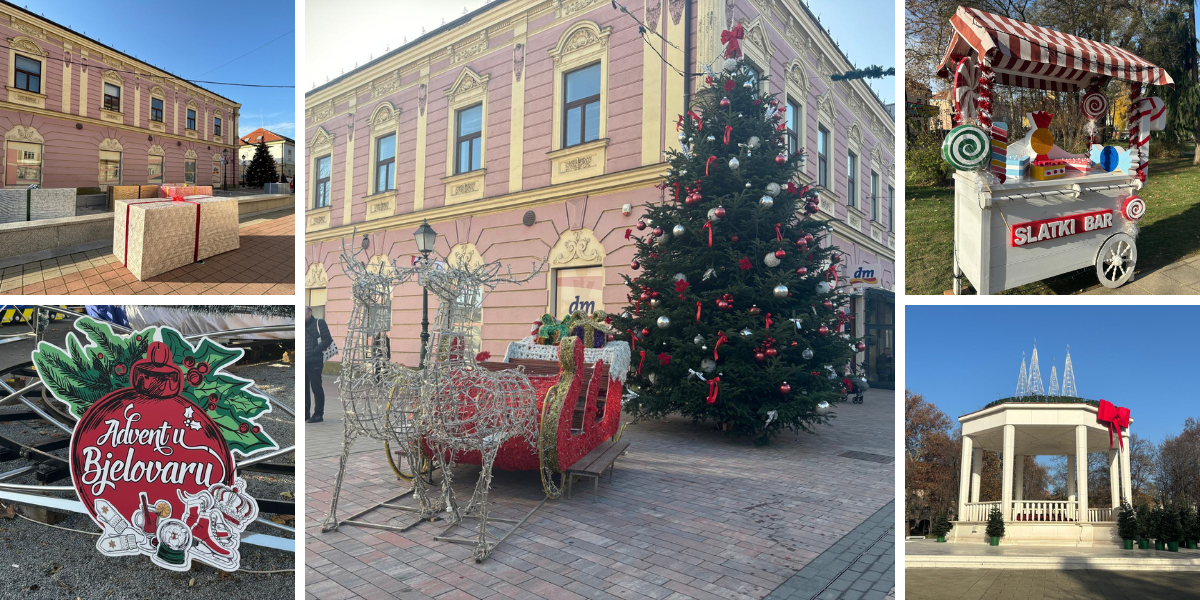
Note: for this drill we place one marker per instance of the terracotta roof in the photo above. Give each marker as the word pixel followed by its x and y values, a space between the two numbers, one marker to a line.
pixel 262 135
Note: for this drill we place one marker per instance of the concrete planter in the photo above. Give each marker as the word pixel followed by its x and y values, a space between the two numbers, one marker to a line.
pixel 1128 544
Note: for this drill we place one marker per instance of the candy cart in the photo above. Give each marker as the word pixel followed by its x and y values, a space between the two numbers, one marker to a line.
pixel 1026 209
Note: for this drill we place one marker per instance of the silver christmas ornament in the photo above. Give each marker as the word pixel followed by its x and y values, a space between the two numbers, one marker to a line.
pixel 664 322
pixel 682 136
pixel 781 291
pixel 653 378
pixel 747 183
pixel 712 214
pixel 807 354
pixel 625 315
pixel 823 408
pixel 709 274
pixel 734 164
pixel 683 172
pixel 748 85
pixel 708 365
pixel 770 260
pixel 655 302
pixel 753 141
pixel 823 287
pixel 699 339
pixel 730 65
pixel 680 277
pixel 711 138
pixel 678 231
pixel 747 332
pixel 773 188
pixel 766 202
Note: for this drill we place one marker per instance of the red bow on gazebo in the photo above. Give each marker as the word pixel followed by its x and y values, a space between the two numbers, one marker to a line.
pixel 1115 417
pixel 732 41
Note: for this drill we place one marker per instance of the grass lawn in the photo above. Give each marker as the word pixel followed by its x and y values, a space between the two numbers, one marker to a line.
pixel 1170 231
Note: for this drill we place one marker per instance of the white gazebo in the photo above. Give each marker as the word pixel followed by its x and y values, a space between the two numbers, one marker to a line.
pixel 1030 428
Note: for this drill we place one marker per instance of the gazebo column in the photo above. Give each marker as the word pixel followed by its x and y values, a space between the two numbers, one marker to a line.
pixel 964 479
pixel 1006 487
pixel 1126 476
pixel 1071 477
pixel 1081 465
pixel 976 473
pixel 1020 466
pixel 1114 478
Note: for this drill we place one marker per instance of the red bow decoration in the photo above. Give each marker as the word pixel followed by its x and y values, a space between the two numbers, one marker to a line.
pixel 728 133
pixel 698 306
pixel 708 226
pixel 732 41
pixel 778 235
pixel 628 233
pixel 714 386
pixel 642 361
pixel 632 339
pixel 721 339
pixel 679 123
pixel 729 85
pixel 769 321
pixel 1115 417
pixel 695 117
pixel 708 163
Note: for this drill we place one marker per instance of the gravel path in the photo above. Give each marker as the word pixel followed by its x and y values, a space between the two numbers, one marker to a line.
pixel 37 561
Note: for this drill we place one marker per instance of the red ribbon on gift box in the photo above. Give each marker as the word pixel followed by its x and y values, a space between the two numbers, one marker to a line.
pixel 195 247
pixel 1115 417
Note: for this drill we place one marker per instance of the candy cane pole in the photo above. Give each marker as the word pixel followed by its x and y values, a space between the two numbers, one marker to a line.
pixel 1137 137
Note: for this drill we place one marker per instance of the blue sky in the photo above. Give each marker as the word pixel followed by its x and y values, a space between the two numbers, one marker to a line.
pixel 1140 357
pixel 866 32
pixel 179 37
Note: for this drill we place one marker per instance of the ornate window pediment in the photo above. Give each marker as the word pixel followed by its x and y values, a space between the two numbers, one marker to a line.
pixel 855 134
pixel 190 155
pixel 191 103
pixel 158 92
pixel 384 116
pixel 756 36
pixel 825 105
pixel 468 83
pixel 584 37
pixel 22 133
pixel 877 158
pixel 578 247
pixel 797 75
pixel 467 253
pixel 316 277
pixel 113 78
pixel 27 45
pixel 320 140
pixel 111 144
pixel 156 150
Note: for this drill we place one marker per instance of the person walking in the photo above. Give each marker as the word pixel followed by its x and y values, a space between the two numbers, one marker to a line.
pixel 316 340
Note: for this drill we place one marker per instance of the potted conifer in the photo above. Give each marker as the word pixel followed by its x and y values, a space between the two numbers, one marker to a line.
pixel 941 526
pixel 995 526
pixel 1187 522
pixel 1193 532
pixel 1127 526
pixel 1154 528
pixel 1143 526
pixel 1170 529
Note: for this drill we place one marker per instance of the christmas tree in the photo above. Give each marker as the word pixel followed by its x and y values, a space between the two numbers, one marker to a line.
pixel 262 167
pixel 734 311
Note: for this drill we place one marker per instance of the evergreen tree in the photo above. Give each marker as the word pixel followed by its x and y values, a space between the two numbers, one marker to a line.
pixel 995 526
pixel 734 314
pixel 262 167
pixel 941 525
pixel 1127 525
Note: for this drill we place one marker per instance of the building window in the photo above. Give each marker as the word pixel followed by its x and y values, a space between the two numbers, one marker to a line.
pixel 191 119
pixel 24 164
pixel 189 171
pixel 110 167
pixel 581 113
pixel 468 139
pixel 216 125
pixel 851 179
pixel 578 289
pixel 322 186
pixel 891 208
pixel 753 75
pixel 112 97
pixel 156 110
pixel 28 74
pixel 822 157
pixel 793 127
pixel 874 196
pixel 154 172
pixel 385 163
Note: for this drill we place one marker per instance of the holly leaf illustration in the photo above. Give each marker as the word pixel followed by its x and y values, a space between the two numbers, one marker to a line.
pixel 81 374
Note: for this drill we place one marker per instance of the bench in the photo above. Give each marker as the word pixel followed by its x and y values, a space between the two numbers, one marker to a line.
pixel 593 465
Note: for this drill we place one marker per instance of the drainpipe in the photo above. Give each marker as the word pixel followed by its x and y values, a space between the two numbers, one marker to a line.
pixel 687 55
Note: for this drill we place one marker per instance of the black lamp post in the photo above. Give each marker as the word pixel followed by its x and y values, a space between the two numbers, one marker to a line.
pixel 426 238
pixel 225 169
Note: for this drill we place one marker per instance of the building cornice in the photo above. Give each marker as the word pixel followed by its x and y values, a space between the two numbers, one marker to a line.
pixel 863 240
pixel 604 184
pixel 109 125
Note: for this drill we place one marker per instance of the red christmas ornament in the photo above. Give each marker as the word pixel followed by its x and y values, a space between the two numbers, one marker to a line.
pixel 780 159
pixel 734 238
pixel 802 271
pixel 801 244
pixel 760 356
pixel 785 389
pixel 860 346
pixel 635 265
pixel 754 310
pixel 823 330
pixel 772 352
pixel 151 408
pixel 657 232
pixel 693 199
pixel 644 296
pixel 808 238
pixel 719 212
pixel 827 304
pixel 780 253
pixel 725 102
pixel 645 332
pixel 641 225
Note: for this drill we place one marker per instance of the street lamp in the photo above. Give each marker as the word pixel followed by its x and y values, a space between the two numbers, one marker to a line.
pixel 225 169
pixel 426 238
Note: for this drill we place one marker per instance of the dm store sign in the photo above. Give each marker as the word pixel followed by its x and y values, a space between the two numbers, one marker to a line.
pixel 152 455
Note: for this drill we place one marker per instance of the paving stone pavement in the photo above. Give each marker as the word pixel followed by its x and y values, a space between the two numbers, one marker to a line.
pixel 1180 277
pixel 263 264
pixel 689 514
pixel 1045 584
pixel 861 565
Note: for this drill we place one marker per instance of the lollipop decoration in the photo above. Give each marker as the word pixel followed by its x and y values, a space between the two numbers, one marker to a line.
pixel 1133 209
pixel 966 93
pixel 967 148
pixel 1093 106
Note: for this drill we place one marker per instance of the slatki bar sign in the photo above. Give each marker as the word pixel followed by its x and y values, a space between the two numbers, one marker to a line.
pixel 152 455
pixel 1023 234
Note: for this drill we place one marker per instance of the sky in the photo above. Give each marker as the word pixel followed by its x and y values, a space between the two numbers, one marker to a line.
pixel 159 33
pixel 1140 357
pixel 865 41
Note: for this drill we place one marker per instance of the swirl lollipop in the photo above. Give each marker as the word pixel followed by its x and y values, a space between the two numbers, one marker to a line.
pixel 967 148
pixel 1094 105
pixel 1134 208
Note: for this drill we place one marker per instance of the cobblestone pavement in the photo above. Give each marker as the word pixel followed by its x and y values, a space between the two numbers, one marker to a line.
pixel 689 514
pixel 1045 584
pixel 861 565
pixel 263 264
pixel 1180 277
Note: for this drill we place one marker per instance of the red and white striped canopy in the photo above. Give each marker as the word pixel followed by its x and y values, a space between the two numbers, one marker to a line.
pixel 1025 55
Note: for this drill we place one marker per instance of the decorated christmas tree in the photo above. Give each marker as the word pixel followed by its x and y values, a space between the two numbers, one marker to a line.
pixel 262 167
pixel 734 313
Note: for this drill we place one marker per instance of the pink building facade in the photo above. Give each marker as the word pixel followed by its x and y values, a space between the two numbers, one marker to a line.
pixel 76 113
pixel 534 131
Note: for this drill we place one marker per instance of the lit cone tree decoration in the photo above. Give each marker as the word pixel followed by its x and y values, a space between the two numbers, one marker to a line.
pixel 733 312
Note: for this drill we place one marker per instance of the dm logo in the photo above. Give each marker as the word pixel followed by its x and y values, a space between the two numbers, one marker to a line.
pixel 588 307
pixel 864 275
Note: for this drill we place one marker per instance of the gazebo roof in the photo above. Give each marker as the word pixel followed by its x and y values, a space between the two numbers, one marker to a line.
pixel 1041 429
pixel 1029 56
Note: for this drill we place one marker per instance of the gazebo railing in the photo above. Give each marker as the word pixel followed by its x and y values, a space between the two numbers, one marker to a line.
pixel 1045 510
pixel 1099 515
pixel 978 511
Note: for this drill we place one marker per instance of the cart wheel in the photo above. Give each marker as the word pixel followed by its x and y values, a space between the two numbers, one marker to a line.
pixel 1116 260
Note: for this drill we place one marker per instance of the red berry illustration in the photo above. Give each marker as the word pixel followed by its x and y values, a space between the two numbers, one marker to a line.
pixel 256 429
pixel 203 368
pixel 189 362
pixel 243 428
pixel 119 369
pixel 212 406
pixel 194 378
pixel 213 398
pixel 99 355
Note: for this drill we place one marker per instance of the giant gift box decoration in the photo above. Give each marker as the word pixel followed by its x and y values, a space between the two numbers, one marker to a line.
pixel 155 236
pixel 1035 210
pixel 152 454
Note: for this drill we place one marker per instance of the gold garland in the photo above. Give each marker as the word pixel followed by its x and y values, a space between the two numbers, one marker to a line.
pixel 551 412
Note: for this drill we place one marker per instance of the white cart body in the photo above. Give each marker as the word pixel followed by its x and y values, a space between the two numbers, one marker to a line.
pixel 985 215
